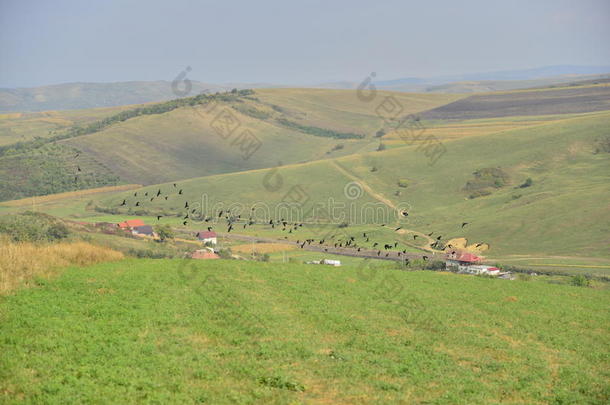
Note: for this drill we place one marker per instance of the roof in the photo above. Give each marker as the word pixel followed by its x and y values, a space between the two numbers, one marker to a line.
pixel 468 257
pixel 131 223
pixel 206 234
pixel 146 229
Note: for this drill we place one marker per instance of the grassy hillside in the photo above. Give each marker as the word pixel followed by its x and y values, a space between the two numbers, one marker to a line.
pixel 185 141
pixel 563 212
pixel 184 332
pixel 23 127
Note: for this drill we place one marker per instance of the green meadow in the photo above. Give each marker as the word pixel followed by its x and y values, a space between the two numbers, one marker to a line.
pixel 172 331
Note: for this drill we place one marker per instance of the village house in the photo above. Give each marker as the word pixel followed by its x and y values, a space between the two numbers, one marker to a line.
pixel 146 230
pixel 465 262
pixel 130 224
pixel 207 237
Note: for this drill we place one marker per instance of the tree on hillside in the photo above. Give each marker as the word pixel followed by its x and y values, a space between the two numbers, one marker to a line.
pixel 165 232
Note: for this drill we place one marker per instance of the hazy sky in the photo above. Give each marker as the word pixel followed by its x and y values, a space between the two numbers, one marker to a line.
pixel 49 42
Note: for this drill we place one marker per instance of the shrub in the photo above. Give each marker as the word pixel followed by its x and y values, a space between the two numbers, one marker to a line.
pixel 528 182
pixel 485 180
pixel 404 183
pixel 478 193
pixel 380 133
pixel 165 232
pixel 33 227
pixel 580 281
pixel 225 253
pixel 317 131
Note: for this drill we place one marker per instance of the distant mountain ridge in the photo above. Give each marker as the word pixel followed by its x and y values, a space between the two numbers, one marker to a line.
pixel 72 96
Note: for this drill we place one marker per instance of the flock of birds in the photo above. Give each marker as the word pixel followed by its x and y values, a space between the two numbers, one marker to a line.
pixel 355 242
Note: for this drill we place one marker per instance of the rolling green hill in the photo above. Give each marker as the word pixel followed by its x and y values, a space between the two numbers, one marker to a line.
pixel 323 140
pixel 177 140
pixel 563 212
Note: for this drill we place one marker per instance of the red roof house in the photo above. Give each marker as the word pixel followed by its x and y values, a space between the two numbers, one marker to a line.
pixel 131 223
pixel 468 257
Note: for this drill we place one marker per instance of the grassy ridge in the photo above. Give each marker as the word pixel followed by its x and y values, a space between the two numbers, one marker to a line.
pixel 153 332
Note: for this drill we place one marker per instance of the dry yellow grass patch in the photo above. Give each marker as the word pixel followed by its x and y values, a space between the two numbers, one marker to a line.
pixel 21 262
pixel 68 195
pixel 262 247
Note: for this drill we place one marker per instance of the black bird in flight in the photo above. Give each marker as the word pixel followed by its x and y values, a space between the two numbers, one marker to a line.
pixel 375 244
pixel 146 194
pixel 152 198
pixel 184 223
pixel 186 204
pixel 135 194
pixel 193 210
pixel 78 168
pixel 398 229
pixel 165 198
pixel 220 214
pixel 180 192
pixel 425 258
pixel 158 192
pixel 430 234
pixel 159 217
pixel 137 203
pixel 364 234
pixel 124 203
pixel 209 229
pixel 478 244
pixel 230 227
pixel 464 224
pixel 186 216
pixel 174 185
pixel 415 237
pixel 405 213
pixel 439 238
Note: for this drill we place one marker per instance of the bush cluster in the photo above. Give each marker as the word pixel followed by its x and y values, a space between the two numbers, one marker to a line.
pixel 33 227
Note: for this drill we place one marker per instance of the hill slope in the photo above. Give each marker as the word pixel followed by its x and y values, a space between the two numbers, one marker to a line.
pixel 563 212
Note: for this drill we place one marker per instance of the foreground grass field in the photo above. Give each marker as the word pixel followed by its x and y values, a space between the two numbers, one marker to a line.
pixel 168 331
